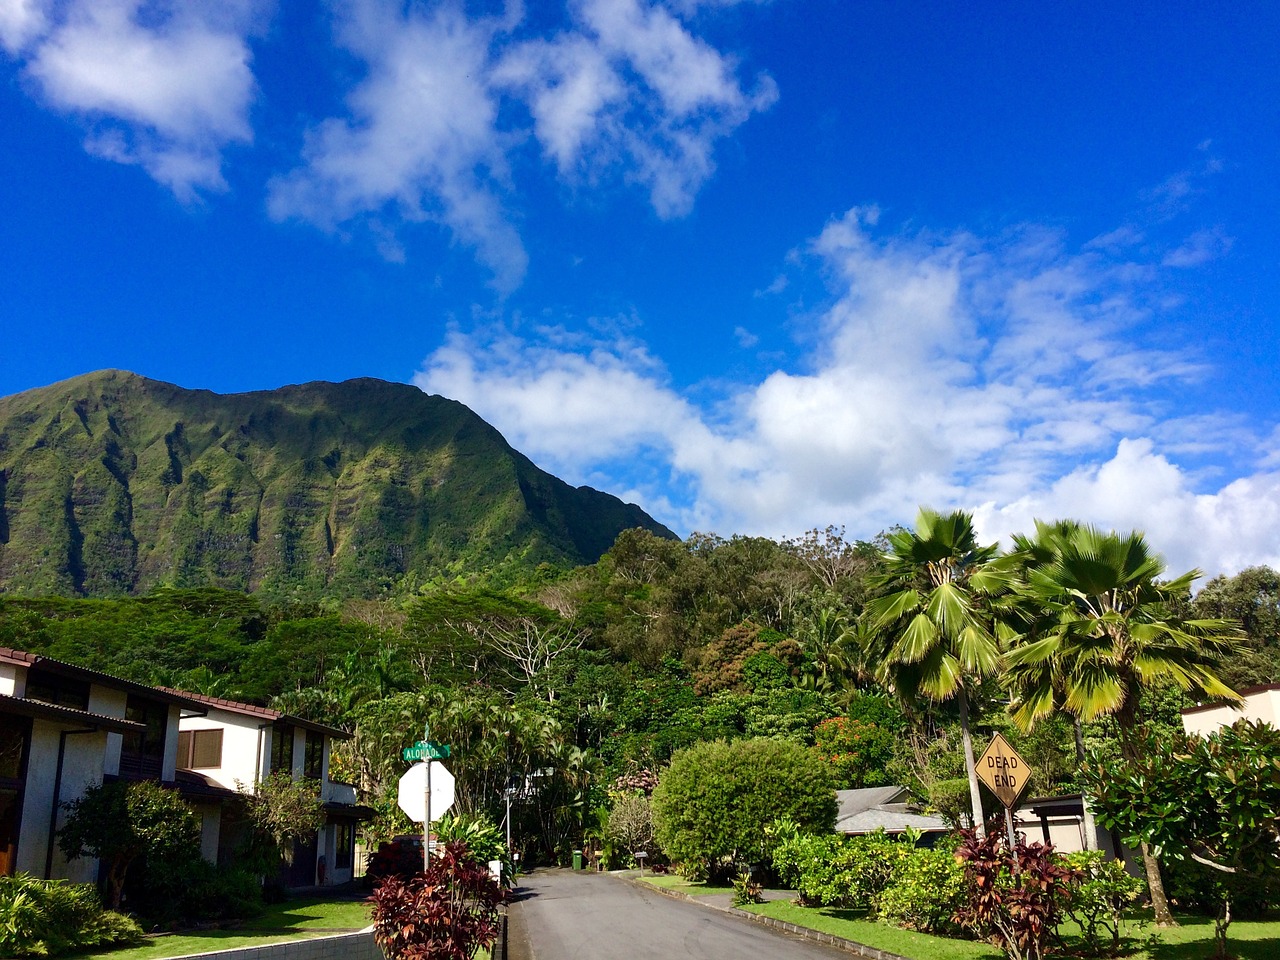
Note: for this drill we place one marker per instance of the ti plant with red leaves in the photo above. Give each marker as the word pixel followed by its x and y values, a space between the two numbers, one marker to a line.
pixel 1015 896
pixel 447 913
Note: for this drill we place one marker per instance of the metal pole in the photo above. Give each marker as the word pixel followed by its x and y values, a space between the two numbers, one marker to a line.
pixel 426 806
pixel 1008 822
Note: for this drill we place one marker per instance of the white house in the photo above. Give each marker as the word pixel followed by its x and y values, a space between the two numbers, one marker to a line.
pixel 64 729
pixel 232 746
pixel 1261 703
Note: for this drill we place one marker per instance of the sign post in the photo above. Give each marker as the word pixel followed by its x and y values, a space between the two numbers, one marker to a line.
pixel 1006 775
pixel 425 750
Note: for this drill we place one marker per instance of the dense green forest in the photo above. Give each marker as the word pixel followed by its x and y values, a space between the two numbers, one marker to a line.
pixel 592 677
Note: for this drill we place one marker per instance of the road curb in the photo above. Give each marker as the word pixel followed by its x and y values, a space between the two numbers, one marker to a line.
pixel 806 933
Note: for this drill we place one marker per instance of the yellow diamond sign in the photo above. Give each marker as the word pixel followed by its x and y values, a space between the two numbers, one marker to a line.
pixel 1001 769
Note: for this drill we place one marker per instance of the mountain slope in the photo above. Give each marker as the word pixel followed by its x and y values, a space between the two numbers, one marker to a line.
pixel 112 483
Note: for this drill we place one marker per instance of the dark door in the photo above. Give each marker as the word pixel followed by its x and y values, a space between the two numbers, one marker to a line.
pixel 302 872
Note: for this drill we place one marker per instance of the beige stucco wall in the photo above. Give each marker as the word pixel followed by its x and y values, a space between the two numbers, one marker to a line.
pixel 1263 706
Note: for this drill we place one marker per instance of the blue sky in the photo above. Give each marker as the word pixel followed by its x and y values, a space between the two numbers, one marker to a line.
pixel 757 266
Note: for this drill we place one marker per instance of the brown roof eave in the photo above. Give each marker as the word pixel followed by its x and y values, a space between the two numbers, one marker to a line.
pixel 40 710
pixel 22 658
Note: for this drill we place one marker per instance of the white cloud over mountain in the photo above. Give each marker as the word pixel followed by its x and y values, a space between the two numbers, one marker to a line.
pixel 1008 375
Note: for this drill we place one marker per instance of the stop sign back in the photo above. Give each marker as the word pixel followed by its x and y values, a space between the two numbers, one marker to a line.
pixel 413 789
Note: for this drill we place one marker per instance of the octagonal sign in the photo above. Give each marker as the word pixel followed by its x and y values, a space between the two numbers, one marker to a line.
pixel 413 789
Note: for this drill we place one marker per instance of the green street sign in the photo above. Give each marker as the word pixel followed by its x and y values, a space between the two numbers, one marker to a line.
pixel 425 750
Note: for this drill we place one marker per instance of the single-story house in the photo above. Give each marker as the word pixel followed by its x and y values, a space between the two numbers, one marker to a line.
pixel 870 809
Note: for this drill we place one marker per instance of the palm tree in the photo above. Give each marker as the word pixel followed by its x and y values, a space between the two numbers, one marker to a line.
pixel 933 632
pixel 1103 626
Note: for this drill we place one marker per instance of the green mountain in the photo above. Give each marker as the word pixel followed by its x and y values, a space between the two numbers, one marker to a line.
pixel 111 483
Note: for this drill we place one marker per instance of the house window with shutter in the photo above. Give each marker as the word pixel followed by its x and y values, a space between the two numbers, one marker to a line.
pixel 199 749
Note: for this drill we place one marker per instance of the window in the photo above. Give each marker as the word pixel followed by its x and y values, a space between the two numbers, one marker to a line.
pixel 346 841
pixel 199 749
pixel 52 688
pixel 142 754
pixel 282 748
pixel 313 761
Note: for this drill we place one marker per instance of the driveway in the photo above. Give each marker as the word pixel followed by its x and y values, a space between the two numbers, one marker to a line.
pixel 563 915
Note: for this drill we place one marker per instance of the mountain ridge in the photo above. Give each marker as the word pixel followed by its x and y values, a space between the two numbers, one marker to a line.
pixel 112 483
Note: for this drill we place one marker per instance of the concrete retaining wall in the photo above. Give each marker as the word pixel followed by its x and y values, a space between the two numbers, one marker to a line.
pixel 343 946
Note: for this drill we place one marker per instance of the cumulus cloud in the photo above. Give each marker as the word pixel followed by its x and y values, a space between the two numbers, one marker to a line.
pixel 1007 374
pixel 421 139
pixel 168 88
pixel 625 90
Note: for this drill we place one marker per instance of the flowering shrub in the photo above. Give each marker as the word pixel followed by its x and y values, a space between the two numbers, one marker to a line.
pixel 856 750
pixel 636 781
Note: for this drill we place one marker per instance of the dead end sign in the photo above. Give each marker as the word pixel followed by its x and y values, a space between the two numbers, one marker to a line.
pixel 1001 769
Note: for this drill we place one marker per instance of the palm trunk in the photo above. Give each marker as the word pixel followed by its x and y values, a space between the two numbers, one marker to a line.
pixel 971 766
pixel 1090 828
pixel 1126 721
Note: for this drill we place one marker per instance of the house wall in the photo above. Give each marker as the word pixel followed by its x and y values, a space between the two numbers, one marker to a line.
pixel 246 747
pixel 109 702
pixel 81 769
pixel 210 815
pixel 1263 706
pixel 13 680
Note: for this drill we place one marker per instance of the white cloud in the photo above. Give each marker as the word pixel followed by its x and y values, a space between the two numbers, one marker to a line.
pixel 1007 374
pixel 421 141
pixel 1199 248
pixel 22 21
pixel 625 91
pixel 167 89
pixel 630 87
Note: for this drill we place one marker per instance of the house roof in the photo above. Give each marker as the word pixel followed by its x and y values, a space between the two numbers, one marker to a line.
pixel 262 713
pixel 197 786
pixel 24 659
pixel 881 808
pixel 350 811
pixel 68 715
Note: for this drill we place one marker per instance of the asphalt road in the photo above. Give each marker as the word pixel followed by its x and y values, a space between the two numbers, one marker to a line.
pixel 563 915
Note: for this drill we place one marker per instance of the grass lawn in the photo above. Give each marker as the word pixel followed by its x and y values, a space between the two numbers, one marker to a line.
pixel 852 925
pixel 291 920
pixel 1193 940
pixel 669 881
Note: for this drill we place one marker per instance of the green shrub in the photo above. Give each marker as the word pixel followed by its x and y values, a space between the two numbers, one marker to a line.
pixel 925 891
pixel 1097 895
pixel 713 802
pixel 746 889
pixel 482 836
pixel 830 870
pixel 51 917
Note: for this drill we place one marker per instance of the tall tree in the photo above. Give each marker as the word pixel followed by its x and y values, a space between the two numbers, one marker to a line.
pixel 932 634
pixel 1106 626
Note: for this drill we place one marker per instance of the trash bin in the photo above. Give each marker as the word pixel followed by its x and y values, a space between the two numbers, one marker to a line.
pixel 577 859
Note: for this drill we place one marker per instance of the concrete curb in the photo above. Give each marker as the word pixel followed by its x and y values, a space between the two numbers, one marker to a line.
pixel 817 936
